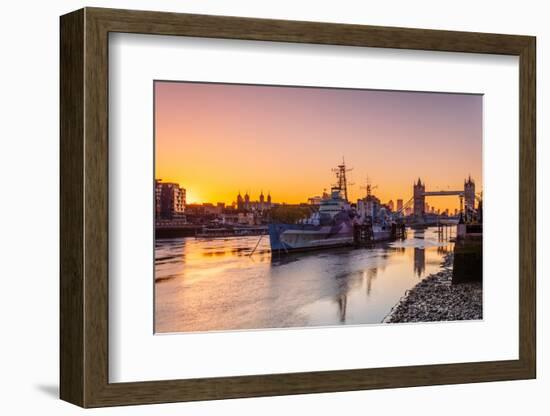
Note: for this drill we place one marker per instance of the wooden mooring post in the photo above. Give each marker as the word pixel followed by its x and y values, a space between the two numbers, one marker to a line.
pixel 398 231
pixel 362 234
pixel 443 231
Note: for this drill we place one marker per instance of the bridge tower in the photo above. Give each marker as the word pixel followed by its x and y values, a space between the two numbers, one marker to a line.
pixel 469 194
pixel 419 199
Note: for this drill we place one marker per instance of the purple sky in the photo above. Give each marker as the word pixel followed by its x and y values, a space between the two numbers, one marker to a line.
pixel 217 139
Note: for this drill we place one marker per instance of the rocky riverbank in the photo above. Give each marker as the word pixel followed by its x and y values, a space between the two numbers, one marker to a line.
pixel 436 299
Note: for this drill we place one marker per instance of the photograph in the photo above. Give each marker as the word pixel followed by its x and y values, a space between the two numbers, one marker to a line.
pixel 283 206
pixel 277 207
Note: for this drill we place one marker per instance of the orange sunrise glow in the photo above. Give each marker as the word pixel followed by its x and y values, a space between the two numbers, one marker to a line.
pixel 218 139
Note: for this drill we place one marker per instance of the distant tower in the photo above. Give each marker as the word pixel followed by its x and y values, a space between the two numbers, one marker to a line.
pixel 269 200
pixel 419 199
pixel 262 200
pixel 399 205
pixel 240 203
pixel 246 201
pixel 390 205
pixel 469 194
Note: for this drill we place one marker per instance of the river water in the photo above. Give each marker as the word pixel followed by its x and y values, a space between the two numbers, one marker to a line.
pixel 207 285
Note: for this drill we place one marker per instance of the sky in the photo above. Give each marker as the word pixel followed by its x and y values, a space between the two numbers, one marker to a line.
pixel 218 139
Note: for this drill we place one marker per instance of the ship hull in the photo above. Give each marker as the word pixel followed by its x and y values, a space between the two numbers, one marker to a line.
pixel 298 237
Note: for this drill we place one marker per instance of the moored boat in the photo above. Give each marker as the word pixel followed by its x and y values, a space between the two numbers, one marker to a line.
pixel 335 224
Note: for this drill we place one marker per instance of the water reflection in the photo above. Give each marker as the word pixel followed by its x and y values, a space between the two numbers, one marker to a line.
pixel 204 285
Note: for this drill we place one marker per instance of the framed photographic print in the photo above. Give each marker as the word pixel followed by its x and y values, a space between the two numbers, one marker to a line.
pixel 255 207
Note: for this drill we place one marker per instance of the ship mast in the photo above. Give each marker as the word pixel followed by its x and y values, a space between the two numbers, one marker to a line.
pixel 340 171
pixel 369 188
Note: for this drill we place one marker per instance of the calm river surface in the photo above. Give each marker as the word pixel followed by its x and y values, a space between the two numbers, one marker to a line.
pixel 205 285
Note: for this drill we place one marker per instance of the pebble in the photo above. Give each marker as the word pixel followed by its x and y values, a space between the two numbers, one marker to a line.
pixel 436 299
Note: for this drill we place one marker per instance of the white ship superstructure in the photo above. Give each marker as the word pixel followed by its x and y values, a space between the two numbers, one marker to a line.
pixel 333 224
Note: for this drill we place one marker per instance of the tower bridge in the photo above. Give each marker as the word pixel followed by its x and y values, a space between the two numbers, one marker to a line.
pixel 467 197
pixel 444 193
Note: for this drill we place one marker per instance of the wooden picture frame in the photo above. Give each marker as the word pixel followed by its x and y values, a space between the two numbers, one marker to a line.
pixel 84 207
